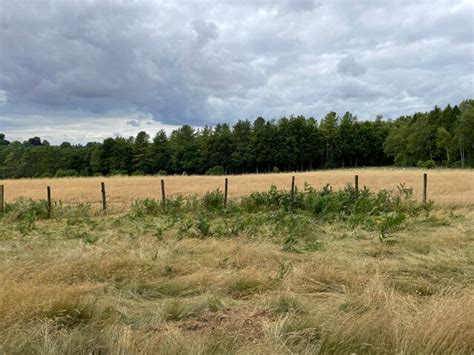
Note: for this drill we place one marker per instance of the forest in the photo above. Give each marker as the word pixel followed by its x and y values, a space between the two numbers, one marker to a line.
pixel 441 137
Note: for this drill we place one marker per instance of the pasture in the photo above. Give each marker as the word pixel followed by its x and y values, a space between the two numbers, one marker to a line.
pixel 325 271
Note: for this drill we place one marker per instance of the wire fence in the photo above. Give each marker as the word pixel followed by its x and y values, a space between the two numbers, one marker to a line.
pixel 103 193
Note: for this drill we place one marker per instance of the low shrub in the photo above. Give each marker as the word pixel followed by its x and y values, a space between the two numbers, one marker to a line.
pixel 327 204
pixel 25 212
pixel 65 173
pixel 278 211
pixel 216 170
pixel 203 225
pixel 213 200
pixel 146 207
pixel 119 173
pixel 428 164
pixel 26 209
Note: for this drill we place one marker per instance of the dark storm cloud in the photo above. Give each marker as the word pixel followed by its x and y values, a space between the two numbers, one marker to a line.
pixel 175 62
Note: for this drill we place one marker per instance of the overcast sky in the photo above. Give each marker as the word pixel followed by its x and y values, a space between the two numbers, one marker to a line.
pixel 85 70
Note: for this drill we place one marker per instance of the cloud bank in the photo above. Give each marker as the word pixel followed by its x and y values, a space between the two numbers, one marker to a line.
pixel 82 70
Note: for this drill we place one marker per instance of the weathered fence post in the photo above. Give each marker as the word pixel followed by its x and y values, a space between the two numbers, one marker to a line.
pixel 104 199
pixel 2 198
pixel 425 187
pixel 226 188
pixel 357 186
pixel 48 194
pixel 163 195
pixel 292 187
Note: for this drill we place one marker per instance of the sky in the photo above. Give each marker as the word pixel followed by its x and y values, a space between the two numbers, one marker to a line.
pixel 85 70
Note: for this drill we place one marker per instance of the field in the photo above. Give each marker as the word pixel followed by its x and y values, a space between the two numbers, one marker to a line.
pixel 325 272
pixel 449 188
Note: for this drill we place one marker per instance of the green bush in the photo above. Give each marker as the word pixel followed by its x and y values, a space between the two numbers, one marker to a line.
pixel 146 207
pixel 216 170
pixel 328 204
pixel 25 212
pixel 25 209
pixel 74 214
pixel 273 198
pixel 458 165
pixel 429 164
pixel 213 200
pixel 203 225
pixel 65 173
pixel 119 173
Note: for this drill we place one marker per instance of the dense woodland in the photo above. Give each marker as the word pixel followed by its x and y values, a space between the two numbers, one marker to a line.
pixel 441 137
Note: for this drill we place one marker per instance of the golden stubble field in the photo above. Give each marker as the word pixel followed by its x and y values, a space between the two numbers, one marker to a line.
pixel 448 188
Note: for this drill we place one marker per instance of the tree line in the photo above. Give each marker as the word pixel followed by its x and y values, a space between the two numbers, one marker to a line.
pixel 440 137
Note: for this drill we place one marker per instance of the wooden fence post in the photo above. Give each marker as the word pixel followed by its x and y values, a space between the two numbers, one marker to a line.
pixel 104 199
pixel 292 187
pixel 425 187
pixel 48 194
pixel 357 186
pixel 163 195
pixel 226 188
pixel 2 198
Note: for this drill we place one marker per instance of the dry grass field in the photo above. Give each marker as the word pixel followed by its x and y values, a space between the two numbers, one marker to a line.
pixel 131 292
pixel 449 188
pixel 226 282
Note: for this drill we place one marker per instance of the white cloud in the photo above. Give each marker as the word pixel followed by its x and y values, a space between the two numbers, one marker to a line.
pixel 81 129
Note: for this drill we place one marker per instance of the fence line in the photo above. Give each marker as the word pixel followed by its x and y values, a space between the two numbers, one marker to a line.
pixel 163 193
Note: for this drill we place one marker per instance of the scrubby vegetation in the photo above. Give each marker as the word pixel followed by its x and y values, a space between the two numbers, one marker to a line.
pixel 278 212
pixel 322 271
